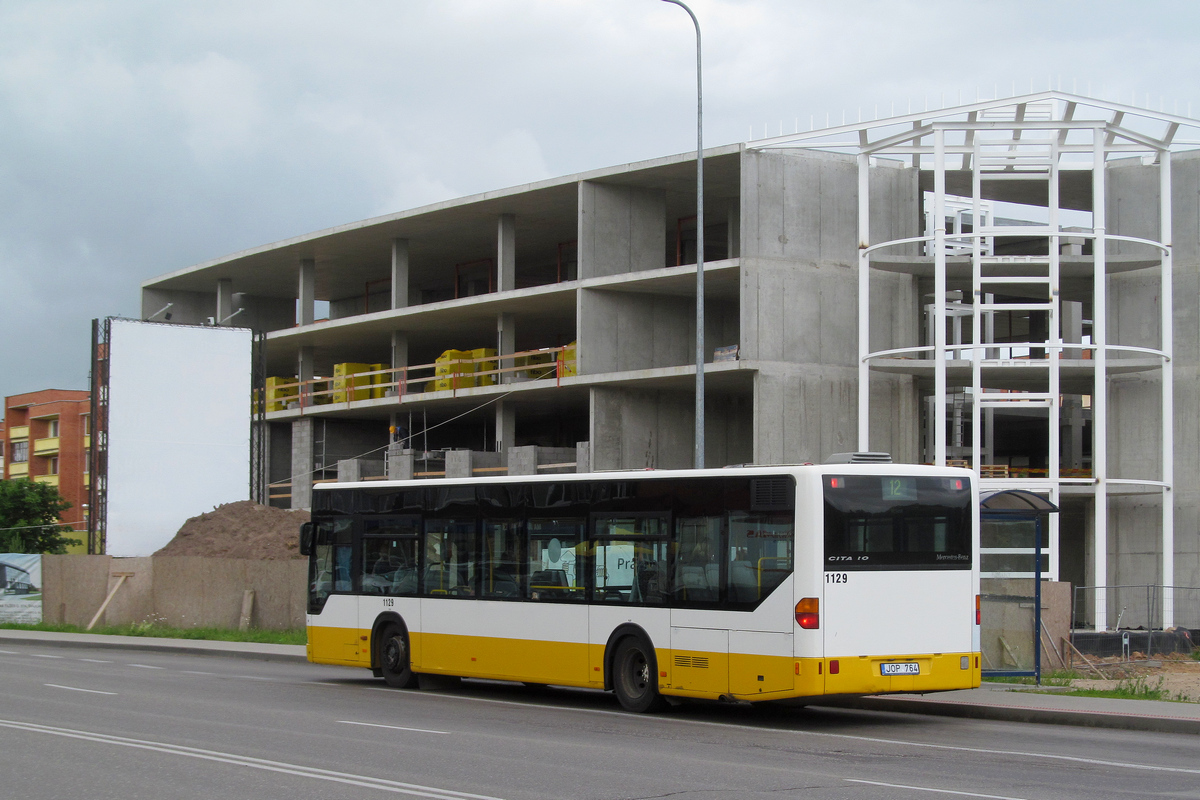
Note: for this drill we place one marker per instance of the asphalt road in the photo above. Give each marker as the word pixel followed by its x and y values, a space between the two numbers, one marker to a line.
pixel 118 724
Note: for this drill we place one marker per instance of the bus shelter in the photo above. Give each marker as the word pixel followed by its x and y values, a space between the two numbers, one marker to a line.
pixel 1012 564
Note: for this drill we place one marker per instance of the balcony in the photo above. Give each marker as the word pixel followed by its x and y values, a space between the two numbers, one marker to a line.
pixel 18 432
pixel 87 441
pixel 50 480
pixel 45 447
pixel 18 469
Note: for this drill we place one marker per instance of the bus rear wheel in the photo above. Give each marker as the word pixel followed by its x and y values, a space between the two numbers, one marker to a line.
pixel 635 676
pixel 393 660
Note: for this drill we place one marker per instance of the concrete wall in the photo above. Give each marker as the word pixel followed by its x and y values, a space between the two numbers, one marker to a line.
pixel 1135 400
pixel 621 229
pixel 194 308
pixel 185 592
pixel 632 429
pixel 624 330
pixel 799 300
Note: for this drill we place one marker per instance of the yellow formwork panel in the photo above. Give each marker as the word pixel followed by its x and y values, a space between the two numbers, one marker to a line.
pixel 569 361
pixel 485 366
pixel 281 389
pixel 348 384
pixel 379 381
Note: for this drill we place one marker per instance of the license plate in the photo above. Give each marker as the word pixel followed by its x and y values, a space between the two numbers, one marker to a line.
pixel 901 668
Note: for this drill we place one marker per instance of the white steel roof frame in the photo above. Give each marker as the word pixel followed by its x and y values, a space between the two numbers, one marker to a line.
pixel 1111 135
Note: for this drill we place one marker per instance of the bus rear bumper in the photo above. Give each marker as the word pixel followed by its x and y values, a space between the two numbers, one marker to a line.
pixel 938 672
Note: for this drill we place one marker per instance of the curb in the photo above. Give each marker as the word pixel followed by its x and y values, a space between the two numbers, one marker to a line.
pixel 96 642
pixel 1045 716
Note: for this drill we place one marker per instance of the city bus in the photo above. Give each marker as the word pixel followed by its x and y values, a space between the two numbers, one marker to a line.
pixel 736 584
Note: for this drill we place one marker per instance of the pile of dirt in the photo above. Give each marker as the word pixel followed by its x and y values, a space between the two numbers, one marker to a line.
pixel 240 530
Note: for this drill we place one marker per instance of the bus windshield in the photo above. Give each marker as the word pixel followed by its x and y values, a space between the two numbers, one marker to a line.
pixel 877 522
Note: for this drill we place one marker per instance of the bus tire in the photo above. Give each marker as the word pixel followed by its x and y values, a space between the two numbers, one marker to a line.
pixel 635 676
pixel 394 659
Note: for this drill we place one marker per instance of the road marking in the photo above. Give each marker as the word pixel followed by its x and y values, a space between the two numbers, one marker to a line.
pixel 938 791
pixel 391 727
pixel 196 672
pixel 10 652
pixel 764 729
pixel 76 689
pixel 144 666
pixel 95 661
pixel 382 784
pixel 44 655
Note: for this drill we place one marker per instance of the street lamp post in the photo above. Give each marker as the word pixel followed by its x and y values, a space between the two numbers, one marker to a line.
pixel 699 459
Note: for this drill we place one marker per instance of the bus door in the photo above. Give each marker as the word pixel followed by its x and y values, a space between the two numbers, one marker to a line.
pixel 699 640
pixel 761 560
pixel 333 634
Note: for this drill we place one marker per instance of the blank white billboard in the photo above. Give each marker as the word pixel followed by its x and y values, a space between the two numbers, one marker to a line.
pixel 178 428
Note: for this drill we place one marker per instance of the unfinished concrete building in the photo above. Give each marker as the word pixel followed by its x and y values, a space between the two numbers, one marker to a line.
pixel 1009 284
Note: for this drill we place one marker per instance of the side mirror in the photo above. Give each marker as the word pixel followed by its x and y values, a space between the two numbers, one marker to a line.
pixel 306 538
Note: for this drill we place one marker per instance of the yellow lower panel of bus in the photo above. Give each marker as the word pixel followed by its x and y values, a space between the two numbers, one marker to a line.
pixel 938 672
pixel 564 663
pixel 346 646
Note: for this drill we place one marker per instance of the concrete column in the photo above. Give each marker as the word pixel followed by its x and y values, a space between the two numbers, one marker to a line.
pixel 399 273
pixel 459 463
pixel 306 292
pixel 583 456
pixel 1071 312
pixel 399 349
pixel 399 462
pixel 522 460
pixel 302 446
pixel 506 426
pixel 734 242
pixel 506 343
pixel 304 364
pixel 349 470
pixel 224 301
pixel 506 253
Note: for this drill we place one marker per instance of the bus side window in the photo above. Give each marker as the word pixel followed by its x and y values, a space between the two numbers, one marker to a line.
pixel 343 579
pixel 760 554
pixel 554 569
pixel 501 558
pixel 449 568
pixel 697 568
pixel 631 559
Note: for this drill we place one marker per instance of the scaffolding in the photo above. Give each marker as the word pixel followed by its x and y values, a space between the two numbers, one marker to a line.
pixel 1003 303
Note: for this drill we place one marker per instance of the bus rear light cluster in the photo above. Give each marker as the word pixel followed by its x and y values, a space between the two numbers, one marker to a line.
pixel 807 613
pixel 977 614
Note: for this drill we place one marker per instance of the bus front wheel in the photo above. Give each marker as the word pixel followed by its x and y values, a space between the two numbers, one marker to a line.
pixel 635 676
pixel 393 660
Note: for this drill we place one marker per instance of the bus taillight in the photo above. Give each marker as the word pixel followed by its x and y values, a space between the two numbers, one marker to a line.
pixel 978 617
pixel 807 614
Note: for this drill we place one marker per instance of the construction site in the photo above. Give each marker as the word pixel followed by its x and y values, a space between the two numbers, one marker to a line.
pixel 1008 285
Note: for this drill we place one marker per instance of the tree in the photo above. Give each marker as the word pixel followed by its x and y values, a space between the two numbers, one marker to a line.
pixel 29 515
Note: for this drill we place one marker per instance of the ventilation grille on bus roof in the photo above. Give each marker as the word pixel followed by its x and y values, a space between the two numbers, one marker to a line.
pixel 771 494
pixel 859 458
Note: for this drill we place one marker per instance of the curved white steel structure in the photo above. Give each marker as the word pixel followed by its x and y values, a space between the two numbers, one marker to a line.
pixel 1004 303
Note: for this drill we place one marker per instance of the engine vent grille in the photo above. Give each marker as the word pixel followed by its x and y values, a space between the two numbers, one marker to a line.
pixel 771 494
pixel 695 662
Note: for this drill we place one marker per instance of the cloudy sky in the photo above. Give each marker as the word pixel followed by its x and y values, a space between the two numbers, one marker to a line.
pixel 140 137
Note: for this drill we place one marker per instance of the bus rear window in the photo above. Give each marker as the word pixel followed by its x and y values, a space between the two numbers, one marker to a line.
pixel 897 522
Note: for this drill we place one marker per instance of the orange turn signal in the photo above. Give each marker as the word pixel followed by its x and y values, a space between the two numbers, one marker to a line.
pixel 807 613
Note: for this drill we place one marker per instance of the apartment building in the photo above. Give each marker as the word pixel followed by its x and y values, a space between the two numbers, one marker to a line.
pixel 46 436
pixel 1008 284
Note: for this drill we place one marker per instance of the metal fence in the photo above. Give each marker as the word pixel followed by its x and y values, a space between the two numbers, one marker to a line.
pixel 1133 624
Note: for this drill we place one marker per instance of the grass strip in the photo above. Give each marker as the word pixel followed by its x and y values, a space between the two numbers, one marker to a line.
pixel 256 635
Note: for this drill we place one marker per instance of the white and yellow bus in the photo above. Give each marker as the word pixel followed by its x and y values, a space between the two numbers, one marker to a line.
pixel 738 583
